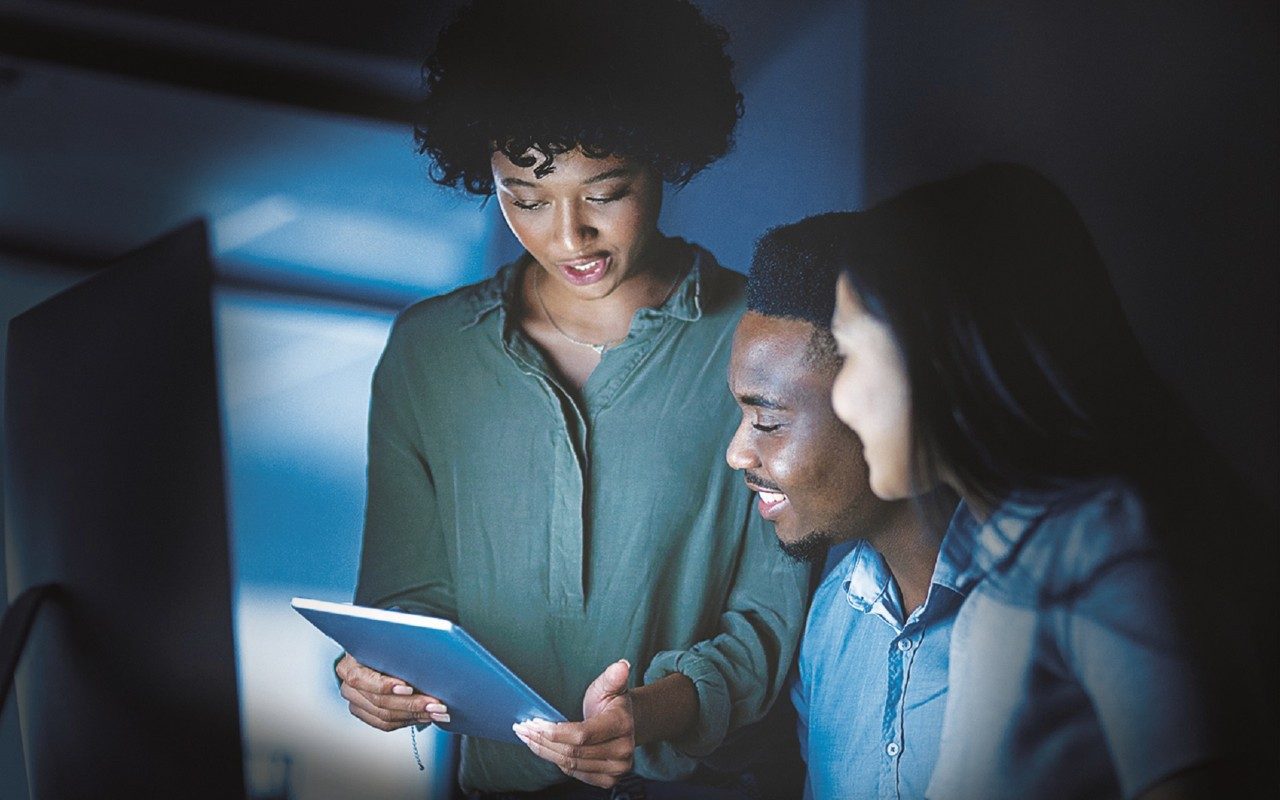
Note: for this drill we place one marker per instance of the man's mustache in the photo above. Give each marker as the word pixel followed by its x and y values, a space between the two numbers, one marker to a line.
pixel 760 483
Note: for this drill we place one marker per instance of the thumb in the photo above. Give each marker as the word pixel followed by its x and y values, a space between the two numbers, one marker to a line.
pixel 614 678
pixel 610 683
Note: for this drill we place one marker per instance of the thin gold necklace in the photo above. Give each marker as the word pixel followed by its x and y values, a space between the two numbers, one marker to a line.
pixel 603 346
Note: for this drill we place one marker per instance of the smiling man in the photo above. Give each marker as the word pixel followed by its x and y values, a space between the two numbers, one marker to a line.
pixel 872 677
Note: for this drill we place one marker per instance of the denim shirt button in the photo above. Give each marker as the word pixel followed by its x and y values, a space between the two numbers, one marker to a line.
pixel 904 645
pixel 892 748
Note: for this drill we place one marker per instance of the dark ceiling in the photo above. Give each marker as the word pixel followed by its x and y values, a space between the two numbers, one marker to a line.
pixel 352 58
pixel 385 28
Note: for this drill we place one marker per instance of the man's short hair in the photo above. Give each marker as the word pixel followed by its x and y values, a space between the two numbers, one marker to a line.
pixel 793 276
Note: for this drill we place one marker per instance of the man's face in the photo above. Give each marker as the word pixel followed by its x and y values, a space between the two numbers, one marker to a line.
pixel 588 222
pixel 805 465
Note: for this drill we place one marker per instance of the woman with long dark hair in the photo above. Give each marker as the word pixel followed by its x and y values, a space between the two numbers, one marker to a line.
pixel 986 351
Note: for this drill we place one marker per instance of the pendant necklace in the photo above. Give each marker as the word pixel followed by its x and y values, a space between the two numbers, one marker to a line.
pixel 598 348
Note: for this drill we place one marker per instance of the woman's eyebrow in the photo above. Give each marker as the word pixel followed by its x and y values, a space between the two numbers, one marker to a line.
pixel 609 174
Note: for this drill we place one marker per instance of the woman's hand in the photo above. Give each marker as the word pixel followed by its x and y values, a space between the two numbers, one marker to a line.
pixel 384 702
pixel 600 749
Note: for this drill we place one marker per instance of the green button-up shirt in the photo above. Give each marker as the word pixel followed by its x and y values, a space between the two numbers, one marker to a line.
pixel 565 530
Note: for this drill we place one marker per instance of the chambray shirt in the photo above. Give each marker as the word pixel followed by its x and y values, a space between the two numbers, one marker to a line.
pixel 871 687
pixel 1070 674
pixel 568 529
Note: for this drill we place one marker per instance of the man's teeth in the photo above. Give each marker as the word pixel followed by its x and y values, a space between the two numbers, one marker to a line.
pixel 772 497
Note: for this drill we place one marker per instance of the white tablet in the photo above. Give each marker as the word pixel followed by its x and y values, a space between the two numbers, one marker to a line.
pixel 438 658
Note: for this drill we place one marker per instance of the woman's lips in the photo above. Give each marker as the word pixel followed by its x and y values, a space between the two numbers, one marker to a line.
pixel 585 271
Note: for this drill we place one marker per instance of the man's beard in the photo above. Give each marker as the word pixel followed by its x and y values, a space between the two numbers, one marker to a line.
pixel 811 549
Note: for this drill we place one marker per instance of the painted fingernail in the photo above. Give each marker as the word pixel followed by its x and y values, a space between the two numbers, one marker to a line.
pixel 441 717
pixel 437 708
pixel 400 688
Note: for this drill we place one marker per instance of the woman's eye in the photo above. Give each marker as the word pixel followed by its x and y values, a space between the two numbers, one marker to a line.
pixel 528 205
pixel 763 428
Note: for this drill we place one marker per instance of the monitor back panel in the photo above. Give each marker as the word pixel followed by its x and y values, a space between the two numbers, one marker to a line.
pixel 114 492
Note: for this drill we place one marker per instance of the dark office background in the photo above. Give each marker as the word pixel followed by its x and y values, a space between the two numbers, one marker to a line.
pixel 283 124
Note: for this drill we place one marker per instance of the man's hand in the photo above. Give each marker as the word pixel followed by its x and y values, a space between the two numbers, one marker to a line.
pixel 600 749
pixel 384 702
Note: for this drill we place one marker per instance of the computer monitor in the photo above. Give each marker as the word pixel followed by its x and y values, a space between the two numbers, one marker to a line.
pixel 114 492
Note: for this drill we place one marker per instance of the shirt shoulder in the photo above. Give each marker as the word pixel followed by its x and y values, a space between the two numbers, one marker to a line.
pixel 1090 527
pixel 454 310
pixel 450 327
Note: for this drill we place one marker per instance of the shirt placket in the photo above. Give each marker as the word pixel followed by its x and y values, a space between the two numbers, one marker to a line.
pixel 902 651
pixel 565 572
pixel 890 738
pixel 566 529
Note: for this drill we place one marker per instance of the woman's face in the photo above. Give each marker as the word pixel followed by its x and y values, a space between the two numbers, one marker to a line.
pixel 872 396
pixel 588 222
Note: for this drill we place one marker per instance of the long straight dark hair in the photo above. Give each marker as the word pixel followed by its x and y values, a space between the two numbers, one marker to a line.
pixel 1025 377
pixel 1024 374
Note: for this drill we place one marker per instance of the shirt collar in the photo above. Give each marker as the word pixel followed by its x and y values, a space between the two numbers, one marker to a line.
pixel 980 547
pixel 964 556
pixel 868 579
pixel 499 292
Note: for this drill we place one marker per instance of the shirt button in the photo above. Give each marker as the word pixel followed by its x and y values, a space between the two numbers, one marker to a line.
pixel 892 748
pixel 904 645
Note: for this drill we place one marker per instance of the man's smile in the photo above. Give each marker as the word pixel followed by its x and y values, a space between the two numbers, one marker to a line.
pixel 772 502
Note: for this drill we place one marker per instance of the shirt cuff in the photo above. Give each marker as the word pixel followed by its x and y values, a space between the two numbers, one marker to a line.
pixel 713 699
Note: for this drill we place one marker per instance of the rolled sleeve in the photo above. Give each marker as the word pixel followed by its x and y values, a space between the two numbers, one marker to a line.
pixel 713 698
pixel 739 673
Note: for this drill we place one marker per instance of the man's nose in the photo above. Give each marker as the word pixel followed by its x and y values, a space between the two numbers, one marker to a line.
pixel 740 454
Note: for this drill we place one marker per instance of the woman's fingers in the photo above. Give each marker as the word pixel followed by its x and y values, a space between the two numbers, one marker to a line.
pixel 373 696
pixel 579 762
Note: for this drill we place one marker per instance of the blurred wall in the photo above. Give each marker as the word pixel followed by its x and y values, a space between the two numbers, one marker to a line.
pixel 799 145
pixel 1160 121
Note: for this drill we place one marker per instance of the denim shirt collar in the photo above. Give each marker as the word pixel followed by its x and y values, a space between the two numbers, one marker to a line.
pixel 869 586
pixel 968 551
pixel 499 293
pixel 992 542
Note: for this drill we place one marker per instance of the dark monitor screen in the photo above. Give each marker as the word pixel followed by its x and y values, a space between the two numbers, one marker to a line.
pixel 114 492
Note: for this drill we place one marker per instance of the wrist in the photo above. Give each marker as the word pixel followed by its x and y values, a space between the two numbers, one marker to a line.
pixel 665 709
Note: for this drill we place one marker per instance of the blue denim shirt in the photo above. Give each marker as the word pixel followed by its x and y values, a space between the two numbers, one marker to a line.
pixel 871 686
pixel 1070 674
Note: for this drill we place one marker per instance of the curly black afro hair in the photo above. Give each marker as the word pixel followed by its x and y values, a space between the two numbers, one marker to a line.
pixel 643 79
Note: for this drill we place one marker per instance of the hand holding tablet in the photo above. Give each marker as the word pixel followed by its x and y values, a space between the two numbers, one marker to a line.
pixel 482 697
pixel 383 701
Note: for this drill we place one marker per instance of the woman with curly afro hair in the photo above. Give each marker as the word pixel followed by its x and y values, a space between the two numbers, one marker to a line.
pixel 545 446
